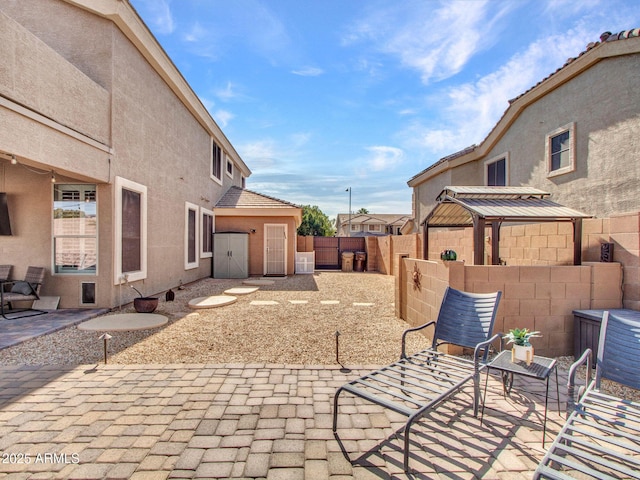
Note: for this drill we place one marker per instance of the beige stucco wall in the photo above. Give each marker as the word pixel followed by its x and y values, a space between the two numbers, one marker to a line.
pixel 108 113
pixel 536 297
pixel 257 238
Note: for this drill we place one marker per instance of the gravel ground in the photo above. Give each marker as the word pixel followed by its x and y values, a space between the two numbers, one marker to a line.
pixel 283 333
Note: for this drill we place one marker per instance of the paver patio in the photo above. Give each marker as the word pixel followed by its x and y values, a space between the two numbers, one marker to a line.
pixel 249 421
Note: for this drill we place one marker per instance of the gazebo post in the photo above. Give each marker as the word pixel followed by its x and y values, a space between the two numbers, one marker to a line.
pixel 577 241
pixel 495 242
pixel 478 240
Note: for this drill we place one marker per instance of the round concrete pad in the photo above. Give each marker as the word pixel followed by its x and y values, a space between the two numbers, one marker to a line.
pixel 213 301
pixel 241 290
pixel 123 322
pixel 258 282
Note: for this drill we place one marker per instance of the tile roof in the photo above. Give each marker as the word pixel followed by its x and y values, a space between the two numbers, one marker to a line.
pixel 237 197
pixel 373 218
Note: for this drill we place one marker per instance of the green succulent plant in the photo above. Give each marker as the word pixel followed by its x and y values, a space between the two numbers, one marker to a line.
pixel 521 336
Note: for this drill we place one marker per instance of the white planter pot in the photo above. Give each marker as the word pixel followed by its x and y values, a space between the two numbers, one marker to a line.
pixel 522 353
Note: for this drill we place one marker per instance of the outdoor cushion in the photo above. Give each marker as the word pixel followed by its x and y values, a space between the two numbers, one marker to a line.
pixel 22 287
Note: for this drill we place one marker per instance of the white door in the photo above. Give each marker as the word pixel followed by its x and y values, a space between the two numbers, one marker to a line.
pixel 275 254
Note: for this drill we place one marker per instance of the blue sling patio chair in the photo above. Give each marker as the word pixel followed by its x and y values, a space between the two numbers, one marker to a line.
pixel 601 436
pixel 418 383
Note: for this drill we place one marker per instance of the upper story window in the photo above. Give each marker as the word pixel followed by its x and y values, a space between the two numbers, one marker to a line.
pixel 216 162
pixel 375 228
pixel 355 227
pixel 560 149
pixel 496 171
pixel 229 167
pixel 75 229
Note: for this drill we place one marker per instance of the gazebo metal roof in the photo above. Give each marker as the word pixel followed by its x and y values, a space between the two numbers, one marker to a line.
pixel 478 207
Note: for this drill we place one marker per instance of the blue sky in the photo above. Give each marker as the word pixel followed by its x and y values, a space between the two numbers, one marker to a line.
pixel 321 95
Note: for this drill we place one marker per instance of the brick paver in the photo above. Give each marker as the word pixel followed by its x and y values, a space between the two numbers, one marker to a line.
pixel 249 421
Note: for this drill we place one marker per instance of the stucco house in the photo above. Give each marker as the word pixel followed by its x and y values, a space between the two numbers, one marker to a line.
pixel 576 135
pixel 369 224
pixel 110 164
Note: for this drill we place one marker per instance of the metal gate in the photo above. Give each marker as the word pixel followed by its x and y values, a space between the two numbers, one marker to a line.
pixel 329 250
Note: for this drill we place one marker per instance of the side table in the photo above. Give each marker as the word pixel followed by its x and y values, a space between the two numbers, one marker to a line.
pixel 540 368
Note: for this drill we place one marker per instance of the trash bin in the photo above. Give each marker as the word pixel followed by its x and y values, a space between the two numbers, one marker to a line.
pixel 347 261
pixel 359 263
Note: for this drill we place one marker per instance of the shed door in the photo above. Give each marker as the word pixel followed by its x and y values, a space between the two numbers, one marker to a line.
pixel 275 255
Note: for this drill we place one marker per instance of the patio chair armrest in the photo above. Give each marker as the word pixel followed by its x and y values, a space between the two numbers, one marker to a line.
pixel 571 381
pixel 483 346
pixel 409 330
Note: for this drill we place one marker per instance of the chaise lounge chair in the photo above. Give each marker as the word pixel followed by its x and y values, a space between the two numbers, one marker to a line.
pixel 21 291
pixel 601 437
pixel 418 383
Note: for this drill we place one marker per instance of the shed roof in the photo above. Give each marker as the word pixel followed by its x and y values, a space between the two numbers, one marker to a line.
pixel 457 206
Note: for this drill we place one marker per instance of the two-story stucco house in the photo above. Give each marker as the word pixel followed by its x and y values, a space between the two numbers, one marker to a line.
pixel 110 164
pixel 369 224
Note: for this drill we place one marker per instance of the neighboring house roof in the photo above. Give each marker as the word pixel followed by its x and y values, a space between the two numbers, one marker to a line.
pixel 594 53
pixel 125 17
pixel 373 219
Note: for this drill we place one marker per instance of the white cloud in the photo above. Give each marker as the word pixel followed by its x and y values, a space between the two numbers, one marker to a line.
pixel 469 111
pixel 158 13
pixel 381 158
pixel 223 117
pixel 435 38
pixel 308 71
pixel 227 93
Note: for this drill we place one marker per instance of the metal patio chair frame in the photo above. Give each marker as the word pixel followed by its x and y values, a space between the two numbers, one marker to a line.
pixel 601 436
pixel 417 383
pixel 33 279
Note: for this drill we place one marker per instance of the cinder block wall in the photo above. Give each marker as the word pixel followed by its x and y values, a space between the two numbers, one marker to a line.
pixel 535 297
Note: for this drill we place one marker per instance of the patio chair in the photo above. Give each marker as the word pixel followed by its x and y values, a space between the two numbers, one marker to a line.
pixel 601 437
pixel 418 383
pixel 5 273
pixel 21 291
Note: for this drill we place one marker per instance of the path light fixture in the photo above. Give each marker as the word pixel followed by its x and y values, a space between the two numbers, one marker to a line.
pixel 105 338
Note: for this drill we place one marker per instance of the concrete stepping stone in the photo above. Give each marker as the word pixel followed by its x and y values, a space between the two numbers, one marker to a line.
pixel 264 302
pixel 258 282
pixel 362 304
pixel 329 302
pixel 299 302
pixel 213 301
pixel 241 290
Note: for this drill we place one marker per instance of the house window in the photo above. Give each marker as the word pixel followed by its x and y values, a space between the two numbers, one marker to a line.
pixel 191 234
pixel 560 145
pixel 355 227
pixel 216 162
pixel 131 231
pixel 496 171
pixel 229 168
pixel 75 229
pixel 375 228
pixel 206 222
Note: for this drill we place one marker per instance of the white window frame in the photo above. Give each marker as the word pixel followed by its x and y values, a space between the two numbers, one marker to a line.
pixel 355 227
pixel 79 236
pixel 497 158
pixel 228 164
pixel 187 208
pixel 203 212
pixel 375 227
pixel 571 128
pixel 118 275
pixel 211 167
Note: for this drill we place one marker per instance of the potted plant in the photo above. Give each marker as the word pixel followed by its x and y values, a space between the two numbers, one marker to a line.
pixel 522 348
pixel 144 304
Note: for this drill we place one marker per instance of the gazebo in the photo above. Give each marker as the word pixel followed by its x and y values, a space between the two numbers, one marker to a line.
pixel 480 207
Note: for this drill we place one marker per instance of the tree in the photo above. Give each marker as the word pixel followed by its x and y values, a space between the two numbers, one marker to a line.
pixel 315 223
pixel 363 210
